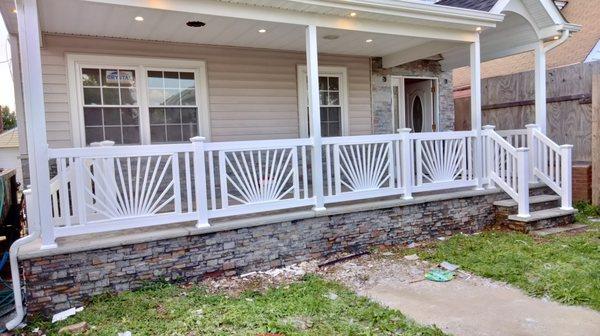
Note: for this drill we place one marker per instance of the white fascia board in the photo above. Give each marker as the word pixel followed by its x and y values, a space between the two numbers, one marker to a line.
pixel 421 51
pixel 271 14
pixel 548 5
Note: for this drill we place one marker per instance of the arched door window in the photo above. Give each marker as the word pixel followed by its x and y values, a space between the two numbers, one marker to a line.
pixel 417 114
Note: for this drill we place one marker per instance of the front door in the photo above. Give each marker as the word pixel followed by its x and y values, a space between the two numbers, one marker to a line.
pixel 419 105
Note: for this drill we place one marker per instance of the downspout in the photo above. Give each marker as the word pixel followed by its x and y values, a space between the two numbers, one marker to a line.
pixel 34 234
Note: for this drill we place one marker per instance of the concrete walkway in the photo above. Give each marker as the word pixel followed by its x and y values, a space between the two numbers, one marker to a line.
pixel 464 307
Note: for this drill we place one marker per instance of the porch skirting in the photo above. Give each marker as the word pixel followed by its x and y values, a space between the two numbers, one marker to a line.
pixel 78 269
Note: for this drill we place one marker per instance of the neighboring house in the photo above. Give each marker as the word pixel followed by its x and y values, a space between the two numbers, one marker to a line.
pixel 9 152
pixel 294 108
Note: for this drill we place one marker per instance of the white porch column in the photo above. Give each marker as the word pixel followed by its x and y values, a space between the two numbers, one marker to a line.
pixel 540 86
pixel 33 106
pixel 312 71
pixel 475 61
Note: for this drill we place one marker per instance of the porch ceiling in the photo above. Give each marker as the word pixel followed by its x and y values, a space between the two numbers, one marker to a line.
pixel 117 21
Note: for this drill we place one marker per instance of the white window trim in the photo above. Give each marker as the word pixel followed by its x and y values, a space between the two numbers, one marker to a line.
pixel 399 80
pixel 140 65
pixel 303 115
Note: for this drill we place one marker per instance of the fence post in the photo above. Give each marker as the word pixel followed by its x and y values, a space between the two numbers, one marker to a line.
pixel 566 183
pixel 523 182
pixel 406 163
pixel 532 150
pixel 200 181
pixel 489 155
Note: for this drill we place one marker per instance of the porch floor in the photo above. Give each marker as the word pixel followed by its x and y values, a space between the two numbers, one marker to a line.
pixel 95 241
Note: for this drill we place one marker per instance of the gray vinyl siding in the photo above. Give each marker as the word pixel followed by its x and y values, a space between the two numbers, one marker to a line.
pixel 252 92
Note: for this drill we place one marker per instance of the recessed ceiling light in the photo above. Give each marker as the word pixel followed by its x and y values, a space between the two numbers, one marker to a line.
pixel 478 29
pixel 369 41
pixel 556 37
pixel 353 14
pixel 138 18
pixel 195 24
pixel 262 30
pixel 331 37
pixel 14 10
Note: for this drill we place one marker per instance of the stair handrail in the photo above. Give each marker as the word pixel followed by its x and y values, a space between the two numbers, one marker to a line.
pixel 551 164
pixel 507 167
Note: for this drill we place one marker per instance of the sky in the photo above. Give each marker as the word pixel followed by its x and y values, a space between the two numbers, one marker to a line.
pixel 6 84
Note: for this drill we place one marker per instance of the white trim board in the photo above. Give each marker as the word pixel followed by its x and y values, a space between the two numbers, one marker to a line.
pixel 140 64
pixel 342 73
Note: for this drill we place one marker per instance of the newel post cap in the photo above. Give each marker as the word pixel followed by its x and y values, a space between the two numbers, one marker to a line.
pixel 404 130
pixel 198 139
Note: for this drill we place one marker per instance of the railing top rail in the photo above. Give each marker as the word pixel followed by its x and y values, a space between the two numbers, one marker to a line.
pixel 360 139
pixel 512 132
pixel 443 135
pixel 547 141
pixel 257 144
pixel 503 143
pixel 119 151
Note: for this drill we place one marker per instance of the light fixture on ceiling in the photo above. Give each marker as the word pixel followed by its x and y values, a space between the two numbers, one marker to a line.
pixel 139 18
pixel 195 24
pixel 556 37
pixel 353 14
pixel 331 37
pixel 478 29
pixel 262 30
pixel 14 11
pixel 369 40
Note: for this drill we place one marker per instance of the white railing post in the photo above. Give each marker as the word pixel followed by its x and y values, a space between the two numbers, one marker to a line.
pixel 540 86
pixel 523 181
pixel 312 70
pixel 200 181
pixel 34 110
pixel 566 167
pixel 475 61
pixel 406 162
pixel 489 154
pixel 532 150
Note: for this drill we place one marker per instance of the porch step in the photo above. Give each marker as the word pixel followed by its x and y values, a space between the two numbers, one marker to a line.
pixel 572 228
pixel 536 203
pixel 542 219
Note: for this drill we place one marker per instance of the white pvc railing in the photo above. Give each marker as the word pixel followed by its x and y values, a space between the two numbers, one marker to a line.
pixel 106 187
pixel 507 167
pixel 551 163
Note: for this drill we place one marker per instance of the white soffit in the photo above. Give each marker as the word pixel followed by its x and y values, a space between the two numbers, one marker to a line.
pixel 106 20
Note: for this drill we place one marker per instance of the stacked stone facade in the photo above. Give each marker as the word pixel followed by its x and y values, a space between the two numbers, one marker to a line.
pixel 57 282
pixel 381 92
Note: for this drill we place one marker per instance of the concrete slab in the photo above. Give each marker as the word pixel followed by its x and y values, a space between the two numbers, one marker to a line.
pixel 576 227
pixel 466 307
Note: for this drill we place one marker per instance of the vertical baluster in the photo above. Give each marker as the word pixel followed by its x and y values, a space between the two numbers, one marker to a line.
pixel 398 165
pixel 211 176
pixel 305 172
pixel 463 154
pixel 79 185
pixel 523 182
pixel 407 163
pixel 328 168
pixel 390 149
pixel 551 159
pixel 176 182
pixel 223 178
pixel 64 194
pixel 188 181
pixel 336 169
pixel 295 172
pixel 419 159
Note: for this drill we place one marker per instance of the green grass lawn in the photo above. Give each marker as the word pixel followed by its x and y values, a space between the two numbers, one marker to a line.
pixel 309 307
pixel 565 268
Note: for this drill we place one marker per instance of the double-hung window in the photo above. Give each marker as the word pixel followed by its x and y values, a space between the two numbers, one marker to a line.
pixel 333 106
pixel 137 100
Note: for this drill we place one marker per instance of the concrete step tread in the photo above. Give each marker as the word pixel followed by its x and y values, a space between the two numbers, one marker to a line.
pixel 543 214
pixel 559 229
pixel 532 200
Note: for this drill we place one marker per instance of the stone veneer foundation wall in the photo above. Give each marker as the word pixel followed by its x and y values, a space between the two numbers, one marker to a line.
pixel 55 281
pixel 381 92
